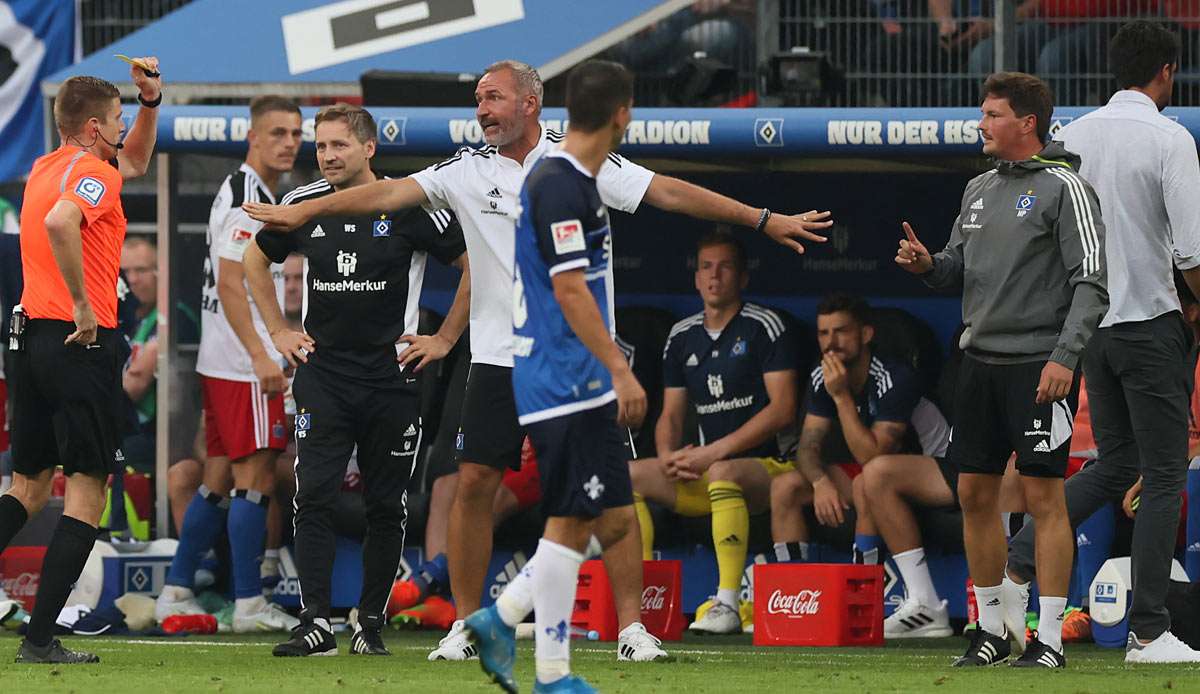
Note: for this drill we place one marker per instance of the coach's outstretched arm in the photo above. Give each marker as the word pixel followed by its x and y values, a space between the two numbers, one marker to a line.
pixel 676 195
pixel 388 195
pixel 134 158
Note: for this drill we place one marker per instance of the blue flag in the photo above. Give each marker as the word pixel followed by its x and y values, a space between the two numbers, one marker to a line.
pixel 37 38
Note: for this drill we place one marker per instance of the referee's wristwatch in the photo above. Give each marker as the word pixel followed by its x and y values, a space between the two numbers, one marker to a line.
pixel 150 104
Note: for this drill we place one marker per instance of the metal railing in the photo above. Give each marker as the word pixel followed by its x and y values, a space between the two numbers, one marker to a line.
pixel 931 53
pixel 703 55
pixel 102 22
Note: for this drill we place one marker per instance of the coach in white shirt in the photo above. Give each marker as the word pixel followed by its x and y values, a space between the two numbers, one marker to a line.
pixel 482 186
pixel 1137 368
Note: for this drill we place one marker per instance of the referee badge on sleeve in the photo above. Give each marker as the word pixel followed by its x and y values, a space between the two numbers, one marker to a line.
pixel 90 189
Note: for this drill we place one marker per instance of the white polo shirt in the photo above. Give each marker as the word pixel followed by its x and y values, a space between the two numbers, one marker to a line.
pixel 1144 168
pixel 483 187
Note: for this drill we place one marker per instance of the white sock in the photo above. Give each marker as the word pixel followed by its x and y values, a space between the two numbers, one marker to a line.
pixel 915 572
pixel 176 593
pixel 554 583
pixel 1050 621
pixel 244 605
pixel 323 624
pixel 516 602
pixel 991 609
pixel 728 596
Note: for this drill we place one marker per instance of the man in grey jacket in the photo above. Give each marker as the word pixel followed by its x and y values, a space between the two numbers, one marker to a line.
pixel 1027 251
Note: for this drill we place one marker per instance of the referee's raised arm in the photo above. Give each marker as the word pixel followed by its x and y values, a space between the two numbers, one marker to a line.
pixel 388 195
pixel 133 157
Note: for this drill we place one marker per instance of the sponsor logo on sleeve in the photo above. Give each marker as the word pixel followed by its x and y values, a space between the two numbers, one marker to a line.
pixel 568 237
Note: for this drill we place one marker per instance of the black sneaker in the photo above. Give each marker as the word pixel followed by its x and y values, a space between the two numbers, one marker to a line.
pixel 1038 654
pixel 368 642
pixel 985 649
pixel 53 653
pixel 307 639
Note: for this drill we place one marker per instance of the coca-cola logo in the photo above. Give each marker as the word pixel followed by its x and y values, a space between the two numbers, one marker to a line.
pixel 23 585
pixel 653 598
pixel 794 605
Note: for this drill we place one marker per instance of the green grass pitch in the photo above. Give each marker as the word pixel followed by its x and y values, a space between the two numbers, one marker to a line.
pixel 717 664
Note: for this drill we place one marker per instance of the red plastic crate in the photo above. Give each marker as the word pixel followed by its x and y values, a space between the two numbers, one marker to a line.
pixel 662 608
pixel 20 573
pixel 818 605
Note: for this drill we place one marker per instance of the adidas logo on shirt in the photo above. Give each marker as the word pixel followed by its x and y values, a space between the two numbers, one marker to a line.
pixel 494 193
pixel 317 232
pixel 693 361
pixel 1043 446
pixel 410 431
pixel 977 205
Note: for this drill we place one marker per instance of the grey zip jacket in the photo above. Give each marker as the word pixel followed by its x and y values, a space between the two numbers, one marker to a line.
pixel 1027 251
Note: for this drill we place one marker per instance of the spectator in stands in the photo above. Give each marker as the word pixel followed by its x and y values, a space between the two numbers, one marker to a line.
pixel 859 408
pixel 734 362
pixel 916 38
pixel 139 263
pixel 1054 39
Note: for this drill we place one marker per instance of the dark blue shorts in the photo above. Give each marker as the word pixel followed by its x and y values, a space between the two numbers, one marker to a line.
pixel 583 463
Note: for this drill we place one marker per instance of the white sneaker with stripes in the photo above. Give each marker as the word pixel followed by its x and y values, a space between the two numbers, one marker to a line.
pixel 456 645
pixel 638 645
pixel 912 620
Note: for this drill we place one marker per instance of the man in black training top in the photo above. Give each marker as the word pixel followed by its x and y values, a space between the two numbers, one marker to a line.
pixel 363 283
pixel 1027 250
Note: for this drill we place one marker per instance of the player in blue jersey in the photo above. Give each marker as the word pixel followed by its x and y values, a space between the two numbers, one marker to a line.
pixel 573 386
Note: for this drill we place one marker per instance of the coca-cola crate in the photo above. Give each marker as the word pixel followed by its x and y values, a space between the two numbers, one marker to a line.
pixel 20 572
pixel 662 606
pixel 818 605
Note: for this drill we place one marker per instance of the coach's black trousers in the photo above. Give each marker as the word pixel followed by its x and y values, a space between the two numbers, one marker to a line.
pixel 333 415
pixel 1139 382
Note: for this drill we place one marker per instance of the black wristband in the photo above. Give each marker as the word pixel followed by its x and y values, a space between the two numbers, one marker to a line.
pixel 762 220
pixel 150 104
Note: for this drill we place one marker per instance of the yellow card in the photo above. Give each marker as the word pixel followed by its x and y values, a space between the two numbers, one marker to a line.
pixel 137 63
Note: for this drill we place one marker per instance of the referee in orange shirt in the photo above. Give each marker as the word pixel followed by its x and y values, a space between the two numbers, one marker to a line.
pixel 65 350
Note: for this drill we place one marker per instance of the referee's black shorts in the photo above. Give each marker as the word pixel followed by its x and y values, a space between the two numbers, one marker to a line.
pixel 996 414
pixel 67 400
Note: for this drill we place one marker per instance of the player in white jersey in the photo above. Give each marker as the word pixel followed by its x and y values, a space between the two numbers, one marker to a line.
pixel 481 186
pixel 242 379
